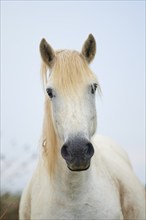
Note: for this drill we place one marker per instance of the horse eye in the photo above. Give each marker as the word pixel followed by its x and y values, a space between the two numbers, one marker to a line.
pixel 93 88
pixel 50 92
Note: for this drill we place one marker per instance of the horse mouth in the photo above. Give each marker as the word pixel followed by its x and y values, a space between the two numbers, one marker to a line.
pixel 75 169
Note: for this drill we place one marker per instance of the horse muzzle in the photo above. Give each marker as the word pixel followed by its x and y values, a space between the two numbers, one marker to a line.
pixel 77 153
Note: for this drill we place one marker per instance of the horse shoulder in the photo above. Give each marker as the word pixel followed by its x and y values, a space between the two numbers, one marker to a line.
pixel 131 191
pixel 27 196
pixel 132 196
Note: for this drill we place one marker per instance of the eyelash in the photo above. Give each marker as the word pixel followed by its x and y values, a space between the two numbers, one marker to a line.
pixel 93 88
pixel 50 92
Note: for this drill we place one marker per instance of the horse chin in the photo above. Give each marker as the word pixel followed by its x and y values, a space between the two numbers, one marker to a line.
pixel 78 169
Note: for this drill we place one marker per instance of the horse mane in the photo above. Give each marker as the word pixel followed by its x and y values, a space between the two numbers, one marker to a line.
pixel 49 139
pixel 70 71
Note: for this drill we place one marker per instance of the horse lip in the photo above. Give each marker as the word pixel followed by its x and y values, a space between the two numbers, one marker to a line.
pixel 78 169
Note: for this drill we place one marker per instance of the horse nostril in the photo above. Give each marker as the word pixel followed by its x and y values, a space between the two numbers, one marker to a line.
pixel 64 151
pixel 89 149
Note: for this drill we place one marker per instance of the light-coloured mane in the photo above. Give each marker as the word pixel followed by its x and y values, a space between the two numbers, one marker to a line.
pixel 49 140
pixel 70 71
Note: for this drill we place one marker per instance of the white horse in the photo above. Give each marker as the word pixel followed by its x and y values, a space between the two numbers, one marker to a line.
pixel 67 183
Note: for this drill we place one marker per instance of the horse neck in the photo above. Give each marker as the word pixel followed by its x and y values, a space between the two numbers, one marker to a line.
pixel 69 181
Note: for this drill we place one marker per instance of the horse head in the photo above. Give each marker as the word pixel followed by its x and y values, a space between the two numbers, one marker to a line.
pixel 70 90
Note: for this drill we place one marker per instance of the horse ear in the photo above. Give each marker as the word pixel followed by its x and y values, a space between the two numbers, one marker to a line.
pixel 89 48
pixel 47 53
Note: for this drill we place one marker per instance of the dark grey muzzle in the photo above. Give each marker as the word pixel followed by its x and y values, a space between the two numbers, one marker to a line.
pixel 77 153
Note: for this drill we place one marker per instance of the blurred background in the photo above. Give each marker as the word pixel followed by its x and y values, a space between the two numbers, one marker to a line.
pixel 119 30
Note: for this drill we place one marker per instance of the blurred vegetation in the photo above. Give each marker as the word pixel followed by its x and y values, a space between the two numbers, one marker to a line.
pixel 9 206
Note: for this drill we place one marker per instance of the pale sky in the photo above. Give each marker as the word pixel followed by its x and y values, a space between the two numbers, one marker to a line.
pixel 119 30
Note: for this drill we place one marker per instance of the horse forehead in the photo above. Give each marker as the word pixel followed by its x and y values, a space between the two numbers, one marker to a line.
pixel 70 70
pixel 68 90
